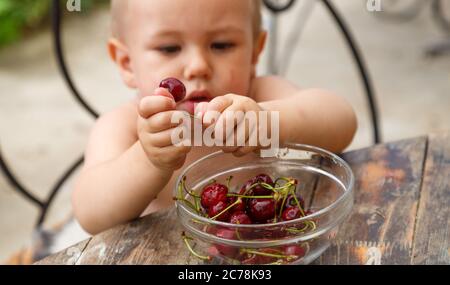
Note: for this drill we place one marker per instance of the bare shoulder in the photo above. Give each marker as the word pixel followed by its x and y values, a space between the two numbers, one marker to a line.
pixel 267 88
pixel 112 134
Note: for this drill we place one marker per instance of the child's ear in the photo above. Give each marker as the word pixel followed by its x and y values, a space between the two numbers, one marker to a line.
pixel 120 54
pixel 259 47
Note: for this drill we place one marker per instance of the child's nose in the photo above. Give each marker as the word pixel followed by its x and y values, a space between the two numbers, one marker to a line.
pixel 198 66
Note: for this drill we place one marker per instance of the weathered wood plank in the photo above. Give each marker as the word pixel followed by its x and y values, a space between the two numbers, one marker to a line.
pixel 69 256
pixel 380 228
pixel 155 239
pixel 433 220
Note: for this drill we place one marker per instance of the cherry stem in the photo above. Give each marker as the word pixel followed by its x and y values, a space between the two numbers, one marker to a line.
pixel 270 254
pixel 298 204
pixel 191 193
pixel 287 179
pixel 185 239
pixel 295 230
pixel 237 232
pixel 265 185
pixel 187 203
pixel 282 206
pixel 183 182
pixel 228 181
pixel 249 197
pixel 195 207
pixel 238 201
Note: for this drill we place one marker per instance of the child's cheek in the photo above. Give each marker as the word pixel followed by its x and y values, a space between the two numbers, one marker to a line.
pixel 146 85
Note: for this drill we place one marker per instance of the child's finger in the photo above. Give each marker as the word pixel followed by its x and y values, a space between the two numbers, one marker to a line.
pixel 163 92
pixel 226 126
pixel 164 121
pixel 245 138
pixel 151 105
pixel 165 138
pixel 170 155
pixel 229 120
pixel 218 104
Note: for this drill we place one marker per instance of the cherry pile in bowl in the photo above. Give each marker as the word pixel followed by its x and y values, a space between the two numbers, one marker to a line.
pixel 259 201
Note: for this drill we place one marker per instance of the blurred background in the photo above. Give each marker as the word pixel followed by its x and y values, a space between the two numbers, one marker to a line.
pixel 405 45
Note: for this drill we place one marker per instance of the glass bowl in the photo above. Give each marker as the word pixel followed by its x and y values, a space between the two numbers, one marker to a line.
pixel 323 181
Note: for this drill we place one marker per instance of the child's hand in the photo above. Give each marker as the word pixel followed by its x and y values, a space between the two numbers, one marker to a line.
pixel 155 129
pixel 233 103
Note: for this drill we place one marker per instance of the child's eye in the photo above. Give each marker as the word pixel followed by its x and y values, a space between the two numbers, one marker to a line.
pixel 169 49
pixel 222 46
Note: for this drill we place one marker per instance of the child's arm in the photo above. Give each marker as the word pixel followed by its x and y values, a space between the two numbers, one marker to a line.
pixel 312 116
pixel 119 180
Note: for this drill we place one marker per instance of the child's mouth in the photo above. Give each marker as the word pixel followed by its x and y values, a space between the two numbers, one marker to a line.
pixel 190 105
pixel 193 99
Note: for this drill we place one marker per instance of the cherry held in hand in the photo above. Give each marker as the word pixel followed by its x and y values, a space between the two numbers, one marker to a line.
pixel 175 87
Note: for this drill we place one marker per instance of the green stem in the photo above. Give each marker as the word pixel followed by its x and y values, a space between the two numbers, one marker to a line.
pixel 263 184
pixel 298 204
pixel 180 192
pixel 267 186
pixel 185 239
pixel 285 186
pixel 228 181
pixel 188 204
pixel 191 193
pixel 282 178
pixel 282 256
pixel 181 186
pixel 238 201
pixel 248 197
pixel 295 230
pixel 282 206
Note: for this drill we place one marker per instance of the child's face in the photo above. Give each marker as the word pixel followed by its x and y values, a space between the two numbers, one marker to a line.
pixel 208 44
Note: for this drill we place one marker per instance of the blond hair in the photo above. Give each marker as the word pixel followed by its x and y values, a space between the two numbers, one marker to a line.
pixel 119 13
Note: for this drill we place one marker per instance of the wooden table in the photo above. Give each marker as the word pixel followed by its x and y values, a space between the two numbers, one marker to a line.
pixel 401 216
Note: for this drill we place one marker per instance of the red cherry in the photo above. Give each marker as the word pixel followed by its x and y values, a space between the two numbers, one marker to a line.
pixel 258 190
pixel 175 87
pixel 261 209
pixel 294 250
pixel 273 233
pixel 290 201
pixel 241 206
pixel 217 209
pixel 210 229
pixel 213 194
pixel 238 207
pixel 213 251
pixel 226 250
pixel 267 259
pixel 240 218
pixel 291 213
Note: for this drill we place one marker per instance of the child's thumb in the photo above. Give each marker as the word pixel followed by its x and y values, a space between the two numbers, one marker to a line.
pixel 163 92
